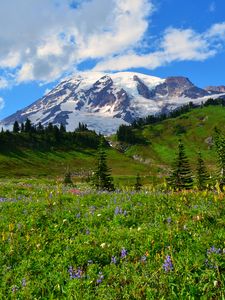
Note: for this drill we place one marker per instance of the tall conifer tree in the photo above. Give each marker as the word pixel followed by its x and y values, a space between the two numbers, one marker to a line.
pixel 220 149
pixel 102 179
pixel 181 177
pixel 16 127
pixel 202 176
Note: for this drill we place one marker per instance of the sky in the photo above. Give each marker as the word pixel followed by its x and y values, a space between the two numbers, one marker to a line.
pixel 44 41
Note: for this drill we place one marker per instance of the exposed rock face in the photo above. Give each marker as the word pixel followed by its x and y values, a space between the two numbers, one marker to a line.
pixel 142 89
pixel 216 89
pixel 179 87
pixel 105 101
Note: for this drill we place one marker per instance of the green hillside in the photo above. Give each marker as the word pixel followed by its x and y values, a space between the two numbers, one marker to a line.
pixel 151 158
pixel 52 164
pixel 195 128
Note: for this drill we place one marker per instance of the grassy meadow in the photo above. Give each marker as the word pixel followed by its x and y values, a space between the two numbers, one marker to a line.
pixel 195 128
pixel 61 242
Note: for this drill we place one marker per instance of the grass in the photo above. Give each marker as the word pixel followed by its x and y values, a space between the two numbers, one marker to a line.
pixel 152 159
pixel 56 243
pixel 194 128
pixel 51 164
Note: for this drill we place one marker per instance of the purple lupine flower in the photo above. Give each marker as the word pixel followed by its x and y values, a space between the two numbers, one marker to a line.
pixel 113 260
pixel 209 264
pixel 100 277
pixel 70 270
pixel 116 212
pixel 14 289
pixel 169 220
pixel 87 232
pixel 123 253
pixel 168 265
pixel 213 250
pixel 75 273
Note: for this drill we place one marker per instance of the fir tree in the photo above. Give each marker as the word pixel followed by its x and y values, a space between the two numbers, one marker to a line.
pixel 40 128
pixel 27 126
pixel 138 184
pixel 202 176
pixel 181 177
pixel 22 127
pixel 16 127
pixel 220 149
pixel 62 128
pixel 50 128
pixel 102 179
pixel 81 127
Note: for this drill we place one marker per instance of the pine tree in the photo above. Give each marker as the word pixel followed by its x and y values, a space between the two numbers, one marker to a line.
pixel 181 177
pixel 138 184
pixel 102 179
pixel 16 127
pixel 22 127
pixel 202 176
pixel 62 128
pixel 220 149
pixel 27 126
pixel 40 128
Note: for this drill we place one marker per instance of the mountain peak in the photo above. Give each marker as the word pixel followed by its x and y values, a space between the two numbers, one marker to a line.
pixel 104 101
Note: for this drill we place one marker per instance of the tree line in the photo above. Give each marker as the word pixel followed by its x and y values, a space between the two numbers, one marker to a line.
pixel 45 138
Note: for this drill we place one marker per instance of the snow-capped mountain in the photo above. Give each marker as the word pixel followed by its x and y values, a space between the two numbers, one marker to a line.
pixel 104 101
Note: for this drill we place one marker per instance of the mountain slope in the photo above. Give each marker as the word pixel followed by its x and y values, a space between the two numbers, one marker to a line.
pixel 195 128
pixel 152 159
pixel 104 101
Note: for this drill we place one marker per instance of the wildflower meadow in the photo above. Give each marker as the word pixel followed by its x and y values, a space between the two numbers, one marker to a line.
pixel 63 243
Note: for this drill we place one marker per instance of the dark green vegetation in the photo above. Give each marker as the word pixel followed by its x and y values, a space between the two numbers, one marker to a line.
pixel 102 179
pixel 202 176
pixel 181 177
pixel 45 139
pixel 58 244
pixel 50 151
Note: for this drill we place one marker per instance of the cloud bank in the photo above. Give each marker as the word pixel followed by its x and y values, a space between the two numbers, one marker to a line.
pixel 42 40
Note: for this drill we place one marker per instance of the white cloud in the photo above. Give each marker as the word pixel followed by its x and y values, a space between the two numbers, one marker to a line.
pixel 132 60
pixel 39 40
pixel 2 103
pixel 179 44
pixel 175 45
pixel 216 31
pixel 126 29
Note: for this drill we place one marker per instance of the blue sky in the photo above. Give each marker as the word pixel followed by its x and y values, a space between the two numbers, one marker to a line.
pixel 42 41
